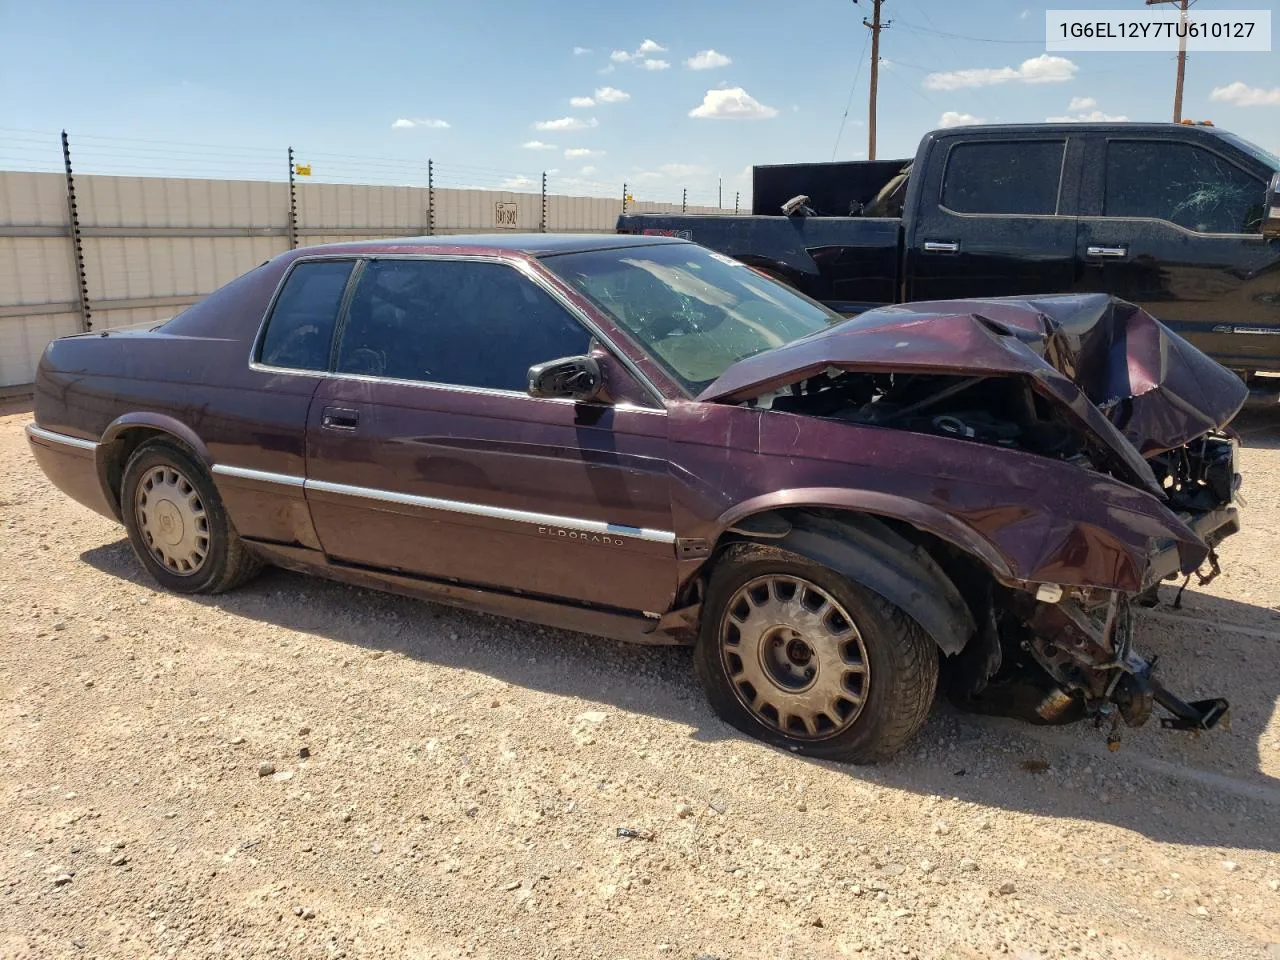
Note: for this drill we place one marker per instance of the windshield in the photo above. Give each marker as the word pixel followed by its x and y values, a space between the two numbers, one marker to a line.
pixel 1266 156
pixel 694 311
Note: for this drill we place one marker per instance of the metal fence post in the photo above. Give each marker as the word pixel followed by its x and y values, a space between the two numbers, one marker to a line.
pixel 431 197
pixel 77 246
pixel 293 206
pixel 624 199
pixel 684 200
pixel 736 195
pixel 543 226
pixel 720 194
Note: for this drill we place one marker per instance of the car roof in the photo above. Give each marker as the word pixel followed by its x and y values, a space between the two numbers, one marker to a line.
pixel 1115 126
pixel 530 244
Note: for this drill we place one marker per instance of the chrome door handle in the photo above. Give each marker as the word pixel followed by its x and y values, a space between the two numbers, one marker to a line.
pixel 339 418
pixel 1112 252
pixel 941 246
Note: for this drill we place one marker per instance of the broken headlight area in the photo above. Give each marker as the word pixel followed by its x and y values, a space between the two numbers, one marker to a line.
pixel 1060 662
pixel 1200 476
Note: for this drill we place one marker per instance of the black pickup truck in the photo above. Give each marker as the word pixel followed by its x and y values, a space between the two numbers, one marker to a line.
pixel 1183 220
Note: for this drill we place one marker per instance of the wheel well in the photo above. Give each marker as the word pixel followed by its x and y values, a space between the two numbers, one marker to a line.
pixel 949 567
pixel 116 456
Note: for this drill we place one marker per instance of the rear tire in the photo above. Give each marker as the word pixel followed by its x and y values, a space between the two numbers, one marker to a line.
pixel 797 655
pixel 177 525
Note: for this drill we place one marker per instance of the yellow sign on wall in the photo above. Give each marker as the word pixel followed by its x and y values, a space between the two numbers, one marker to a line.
pixel 302 169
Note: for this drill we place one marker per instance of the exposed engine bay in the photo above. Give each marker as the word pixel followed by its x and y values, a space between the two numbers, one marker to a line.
pixel 945 405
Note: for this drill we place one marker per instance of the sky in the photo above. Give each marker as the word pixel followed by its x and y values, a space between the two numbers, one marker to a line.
pixel 661 95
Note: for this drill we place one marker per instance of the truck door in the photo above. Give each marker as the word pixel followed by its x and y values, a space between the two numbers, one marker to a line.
pixel 995 217
pixel 1176 228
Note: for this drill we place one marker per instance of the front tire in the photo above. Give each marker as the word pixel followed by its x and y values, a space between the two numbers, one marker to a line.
pixel 176 522
pixel 795 654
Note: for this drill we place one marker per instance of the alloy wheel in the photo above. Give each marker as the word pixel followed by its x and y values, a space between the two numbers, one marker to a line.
pixel 794 657
pixel 172 520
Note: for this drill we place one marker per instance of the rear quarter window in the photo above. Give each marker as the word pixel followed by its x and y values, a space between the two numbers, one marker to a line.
pixel 299 331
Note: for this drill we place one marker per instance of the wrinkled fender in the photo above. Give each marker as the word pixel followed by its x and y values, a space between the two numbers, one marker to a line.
pixel 870 553
pixel 919 515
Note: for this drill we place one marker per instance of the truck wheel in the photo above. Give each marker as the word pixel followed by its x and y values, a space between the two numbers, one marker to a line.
pixel 797 655
pixel 177 525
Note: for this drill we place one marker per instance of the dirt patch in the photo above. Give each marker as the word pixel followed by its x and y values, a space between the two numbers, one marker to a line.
pixel 309 770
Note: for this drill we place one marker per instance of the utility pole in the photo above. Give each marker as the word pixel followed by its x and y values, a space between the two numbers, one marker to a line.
pixel 875 25
pixel 1182 56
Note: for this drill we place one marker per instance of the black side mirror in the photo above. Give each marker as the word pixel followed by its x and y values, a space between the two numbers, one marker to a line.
pixel 577 378
pixel 1271 212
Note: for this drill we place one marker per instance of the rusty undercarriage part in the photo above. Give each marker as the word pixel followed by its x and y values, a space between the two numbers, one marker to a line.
pixel 1074 659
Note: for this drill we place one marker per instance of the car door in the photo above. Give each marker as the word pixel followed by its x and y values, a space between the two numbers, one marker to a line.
pixel 255 428
pixel 1176 228
pixel 995 217
pixel 426 455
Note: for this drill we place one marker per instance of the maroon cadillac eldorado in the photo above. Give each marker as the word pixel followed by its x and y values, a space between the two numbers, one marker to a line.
pixel 638 438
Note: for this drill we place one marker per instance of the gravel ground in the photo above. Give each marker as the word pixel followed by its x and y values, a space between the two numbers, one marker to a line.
pixel 303 769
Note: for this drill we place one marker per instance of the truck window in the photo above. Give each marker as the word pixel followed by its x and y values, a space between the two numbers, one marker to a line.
pixel 1004 177
pixel 1183 184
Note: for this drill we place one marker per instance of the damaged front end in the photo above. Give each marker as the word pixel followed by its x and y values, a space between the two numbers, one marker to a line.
pixel 1092 383
pixel 1060 661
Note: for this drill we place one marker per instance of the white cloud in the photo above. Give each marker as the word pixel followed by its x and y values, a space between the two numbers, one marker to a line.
pixel 707 60
pixel 537 145
pixel 520 183
pixel 581 102
pixel 405 123
pixel 640 57
pixel 1082 103
pixel 611 95
pixel 1243 95
pixel 1093 116
pixel 1024 14
pixel 582 152
pixel 607 68
pixel 567 123
pixel 680 171
pixel 733 103
pixel 954 119
pixel 1041 69
pixel 579 51
pixel 588 170
pixel 649 175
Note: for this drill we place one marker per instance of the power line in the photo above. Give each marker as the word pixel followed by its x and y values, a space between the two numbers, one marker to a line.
pixel 849 103
pixel 929 31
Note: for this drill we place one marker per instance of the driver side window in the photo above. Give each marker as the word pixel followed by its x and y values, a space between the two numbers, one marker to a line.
pixel 463 322
pixel 1182 184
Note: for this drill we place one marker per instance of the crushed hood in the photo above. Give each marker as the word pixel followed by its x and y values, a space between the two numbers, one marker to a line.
pixel 1136 385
